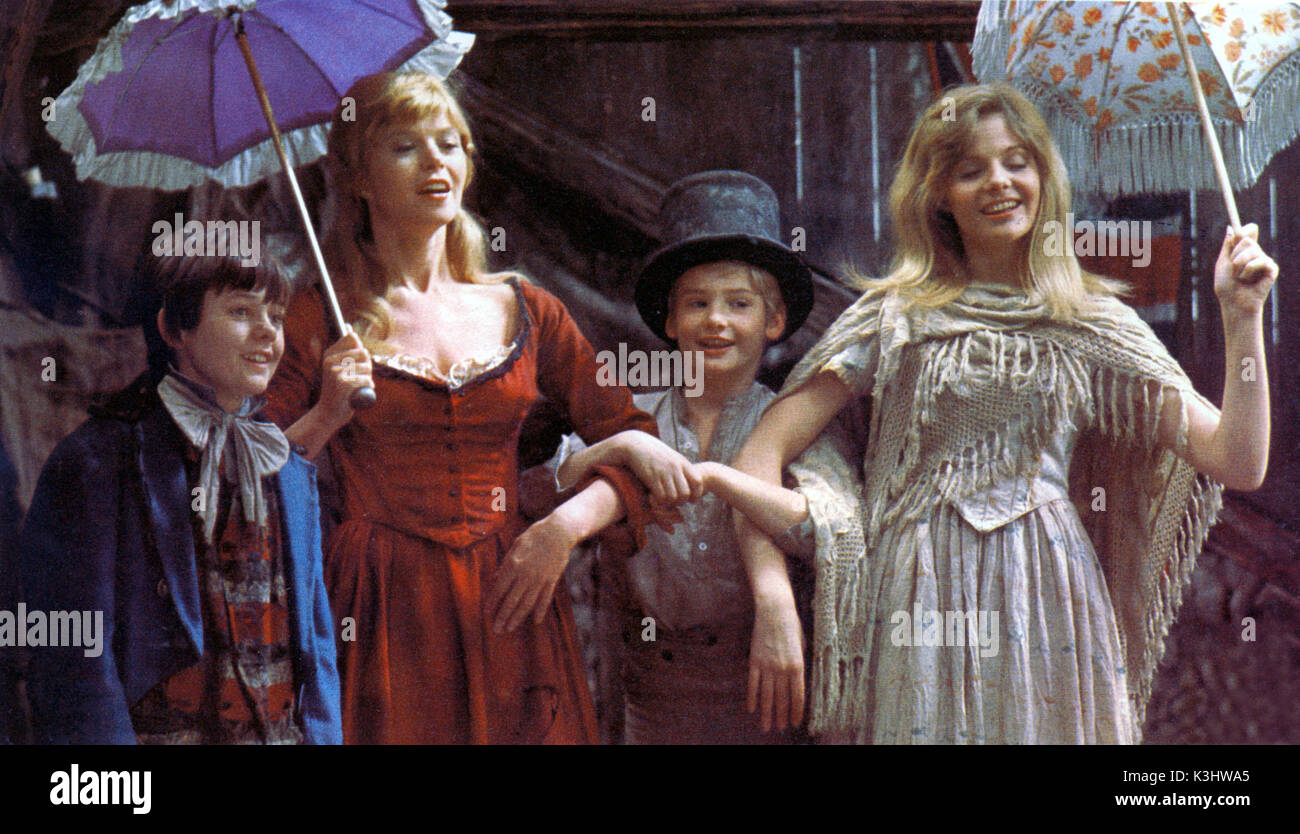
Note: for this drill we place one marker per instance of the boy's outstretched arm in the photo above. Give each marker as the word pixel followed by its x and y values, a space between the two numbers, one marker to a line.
pixel 1232 446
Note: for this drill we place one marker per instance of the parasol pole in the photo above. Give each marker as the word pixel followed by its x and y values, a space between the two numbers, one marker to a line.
pixel 1220 170
pixel 361 398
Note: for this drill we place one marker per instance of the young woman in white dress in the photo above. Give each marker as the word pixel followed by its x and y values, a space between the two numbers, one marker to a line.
pixel 1039 474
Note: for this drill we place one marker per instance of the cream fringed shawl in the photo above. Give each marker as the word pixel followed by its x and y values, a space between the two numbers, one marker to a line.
pixel 1106 365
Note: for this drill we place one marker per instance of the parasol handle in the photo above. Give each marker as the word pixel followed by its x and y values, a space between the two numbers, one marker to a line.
pixel 1220 170
pixel 362 398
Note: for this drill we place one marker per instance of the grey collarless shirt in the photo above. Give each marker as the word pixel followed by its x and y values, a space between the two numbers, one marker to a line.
pixel 694 575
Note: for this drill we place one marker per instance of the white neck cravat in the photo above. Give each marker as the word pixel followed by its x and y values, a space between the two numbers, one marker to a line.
pixel 260 449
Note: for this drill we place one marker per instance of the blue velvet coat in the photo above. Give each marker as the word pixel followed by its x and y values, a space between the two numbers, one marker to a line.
pixel 109 529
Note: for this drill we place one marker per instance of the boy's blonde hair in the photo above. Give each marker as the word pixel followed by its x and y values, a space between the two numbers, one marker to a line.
pixel 760 281
pixel 929 263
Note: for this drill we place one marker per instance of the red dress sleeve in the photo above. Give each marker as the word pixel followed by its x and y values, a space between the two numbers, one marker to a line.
pixel 566 372
pixel 296 384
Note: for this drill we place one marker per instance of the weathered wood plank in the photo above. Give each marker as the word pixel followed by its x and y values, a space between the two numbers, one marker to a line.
pixel 617 19
pixel 555 153
pixel 1257 543
pixel 18 39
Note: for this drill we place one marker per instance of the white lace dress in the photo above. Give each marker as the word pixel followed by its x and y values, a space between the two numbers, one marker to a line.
pixel 1014 480
pixel 992 621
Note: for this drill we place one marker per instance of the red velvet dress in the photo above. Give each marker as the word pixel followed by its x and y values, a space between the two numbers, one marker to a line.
pixel 429 482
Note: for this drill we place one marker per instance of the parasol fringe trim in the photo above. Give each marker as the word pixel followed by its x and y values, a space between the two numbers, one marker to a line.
pixel 1167 154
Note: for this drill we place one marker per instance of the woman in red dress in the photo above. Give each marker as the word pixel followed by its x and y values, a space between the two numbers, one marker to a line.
pixel 449 627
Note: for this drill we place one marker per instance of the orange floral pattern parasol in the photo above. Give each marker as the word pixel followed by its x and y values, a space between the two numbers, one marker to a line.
pixel 1112 84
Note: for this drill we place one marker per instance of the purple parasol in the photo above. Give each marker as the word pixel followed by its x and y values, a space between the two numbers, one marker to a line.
pixel 167 102
pixel 182 91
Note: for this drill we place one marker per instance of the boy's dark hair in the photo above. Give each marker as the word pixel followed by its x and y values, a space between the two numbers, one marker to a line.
pixel 183 282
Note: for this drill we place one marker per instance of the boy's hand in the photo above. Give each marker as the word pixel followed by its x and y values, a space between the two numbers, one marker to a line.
pixel 665 472
pixel 776 661
pixel 706 471
pixel 344 369
pixel 1243 274
pixel 527 576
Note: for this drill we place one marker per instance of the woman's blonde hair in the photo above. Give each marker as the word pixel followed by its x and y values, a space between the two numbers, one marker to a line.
pixel 372 104
pixel 929 262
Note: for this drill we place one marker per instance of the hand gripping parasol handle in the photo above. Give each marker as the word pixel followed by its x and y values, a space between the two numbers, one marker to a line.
pixel 362 398
pixel 1220 170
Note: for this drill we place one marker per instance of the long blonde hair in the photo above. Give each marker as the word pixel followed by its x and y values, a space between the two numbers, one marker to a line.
pixel 929 264
pixel 370 105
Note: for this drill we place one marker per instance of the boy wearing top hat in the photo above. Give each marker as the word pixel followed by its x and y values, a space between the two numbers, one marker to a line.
pixel 192 530
pixel 703 650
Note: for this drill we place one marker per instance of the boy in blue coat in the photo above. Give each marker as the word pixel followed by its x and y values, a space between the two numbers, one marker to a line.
pixel 171 562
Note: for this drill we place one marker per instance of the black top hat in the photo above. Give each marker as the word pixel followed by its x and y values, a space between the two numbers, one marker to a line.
pixel 721 216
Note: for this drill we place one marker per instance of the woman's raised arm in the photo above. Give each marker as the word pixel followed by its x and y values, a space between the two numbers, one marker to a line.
pixel 1232 447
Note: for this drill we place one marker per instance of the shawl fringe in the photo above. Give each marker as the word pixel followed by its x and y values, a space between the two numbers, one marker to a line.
pixel 1107 371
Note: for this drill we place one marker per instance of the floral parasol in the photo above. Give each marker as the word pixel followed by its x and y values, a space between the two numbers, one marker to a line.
pixel 1112 84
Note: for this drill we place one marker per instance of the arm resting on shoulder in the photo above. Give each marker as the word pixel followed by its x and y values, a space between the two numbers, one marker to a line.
pixel 786 429
pixel 776 680
pixel 773 509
